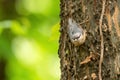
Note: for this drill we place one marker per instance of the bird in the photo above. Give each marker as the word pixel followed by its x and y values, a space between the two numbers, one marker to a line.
pixel 76 34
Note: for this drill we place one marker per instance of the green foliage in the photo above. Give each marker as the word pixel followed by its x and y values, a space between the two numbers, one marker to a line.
pixel 30 43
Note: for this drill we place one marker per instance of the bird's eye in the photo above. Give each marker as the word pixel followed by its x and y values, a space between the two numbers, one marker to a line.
pixel 72 32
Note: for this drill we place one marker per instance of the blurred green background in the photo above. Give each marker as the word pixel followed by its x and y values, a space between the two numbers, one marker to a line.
pixel 29 35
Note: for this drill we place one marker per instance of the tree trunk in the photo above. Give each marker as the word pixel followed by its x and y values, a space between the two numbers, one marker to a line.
pixel 99 57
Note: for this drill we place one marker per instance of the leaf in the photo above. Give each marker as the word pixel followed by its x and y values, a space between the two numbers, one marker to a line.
pixel 55 32
pixel 89 58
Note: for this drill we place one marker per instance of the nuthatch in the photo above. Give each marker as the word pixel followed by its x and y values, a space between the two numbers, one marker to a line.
pixel 76 33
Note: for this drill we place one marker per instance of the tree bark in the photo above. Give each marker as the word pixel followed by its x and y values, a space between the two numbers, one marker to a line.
pixel 99 57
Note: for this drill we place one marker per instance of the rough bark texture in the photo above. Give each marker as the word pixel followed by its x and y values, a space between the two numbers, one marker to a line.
pixel 83 62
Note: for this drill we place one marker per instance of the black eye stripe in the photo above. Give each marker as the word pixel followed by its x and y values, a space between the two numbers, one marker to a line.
pixel 72 32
